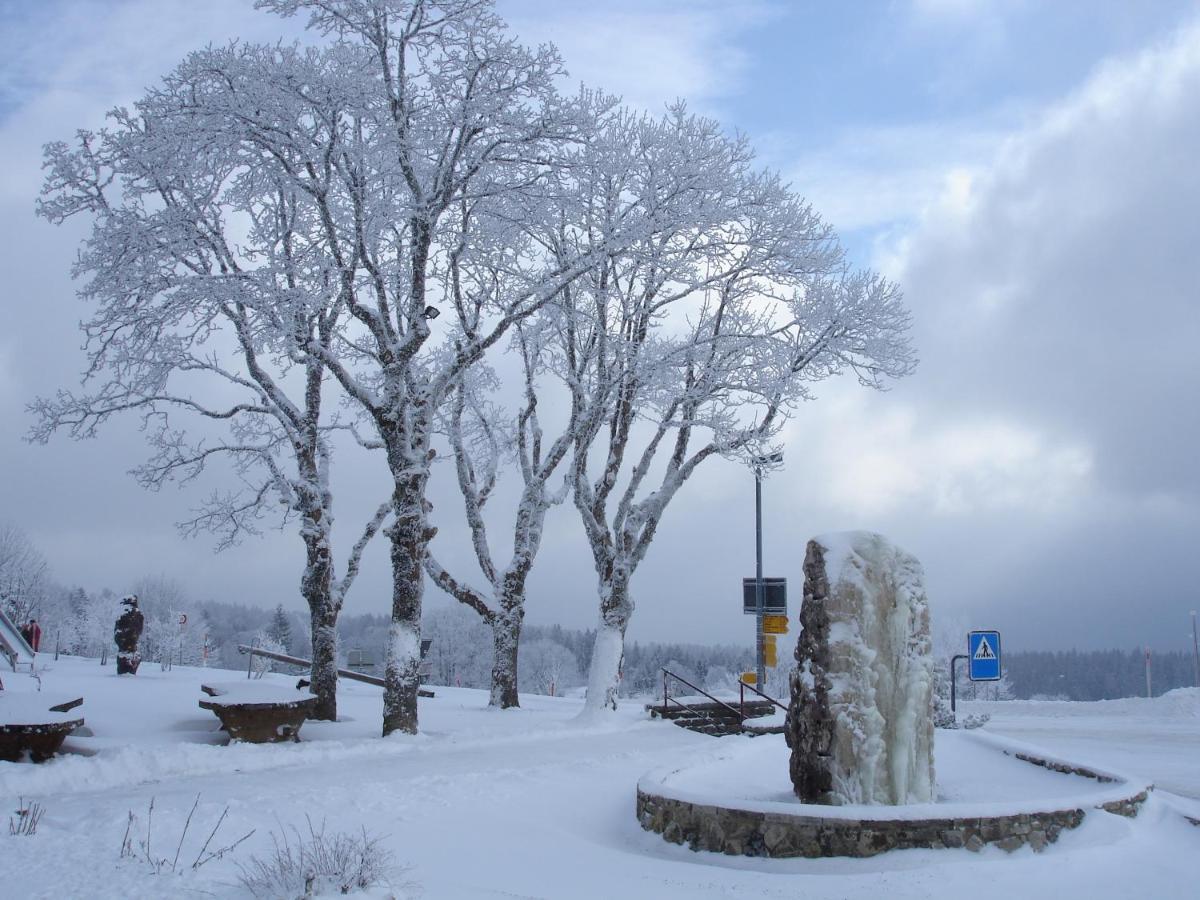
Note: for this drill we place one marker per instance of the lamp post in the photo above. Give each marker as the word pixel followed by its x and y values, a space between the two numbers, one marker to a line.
pixel 759 593
pixel 1195 652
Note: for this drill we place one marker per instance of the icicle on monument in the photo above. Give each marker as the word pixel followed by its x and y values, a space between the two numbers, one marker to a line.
pixel 860 721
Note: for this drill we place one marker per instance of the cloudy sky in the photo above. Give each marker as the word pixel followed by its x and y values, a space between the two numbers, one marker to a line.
pixel 1026 171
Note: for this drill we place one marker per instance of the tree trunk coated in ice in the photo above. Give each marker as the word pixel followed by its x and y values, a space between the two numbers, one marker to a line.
pixel 408 536
pixel 604 673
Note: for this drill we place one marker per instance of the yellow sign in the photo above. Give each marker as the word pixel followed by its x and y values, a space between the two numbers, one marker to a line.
pixel 749 677
pixel 769 657
pixel 775 624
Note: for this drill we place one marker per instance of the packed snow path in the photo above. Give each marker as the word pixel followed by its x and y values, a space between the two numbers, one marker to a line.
pixel 482 804
pixel 1158 739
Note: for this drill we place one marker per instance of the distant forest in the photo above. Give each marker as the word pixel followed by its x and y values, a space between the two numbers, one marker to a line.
pixel 461 655
pixel 1095 674
pixel 553 660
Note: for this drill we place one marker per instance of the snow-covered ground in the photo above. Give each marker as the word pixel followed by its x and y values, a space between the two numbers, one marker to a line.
pixel 526 803
pixel 1158 739
pixel 974 779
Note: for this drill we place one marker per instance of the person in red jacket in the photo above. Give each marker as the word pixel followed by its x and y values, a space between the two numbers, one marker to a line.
pixel 35 635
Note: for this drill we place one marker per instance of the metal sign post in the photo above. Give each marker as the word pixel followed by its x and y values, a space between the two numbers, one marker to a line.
pixel 760 662
pixel 1195 652
pixel 954 687
pixel 1148 692
pixel 759 588
pixel 766 600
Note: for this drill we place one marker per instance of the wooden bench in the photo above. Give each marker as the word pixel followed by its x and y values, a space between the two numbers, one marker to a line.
pixel 258 713
pixel 35 724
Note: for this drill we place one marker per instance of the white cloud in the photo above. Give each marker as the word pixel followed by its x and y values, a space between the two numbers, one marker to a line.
pixel 650 54
pixel 884 458
pixel 888 176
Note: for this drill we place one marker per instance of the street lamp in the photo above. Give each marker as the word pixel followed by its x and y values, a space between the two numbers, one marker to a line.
pixel 1195 652
pixel 760 462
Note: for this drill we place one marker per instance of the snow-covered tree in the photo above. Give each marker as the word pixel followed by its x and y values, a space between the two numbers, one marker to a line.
pixel 709 334
pixel 24 575
pixel 998 690
pixel 96 627
pixel 463 147
pixel 675 172
pixel 478 438
pixel 547 667
pixel 459 654
pixel 264 639
pixel 162 601
pixel 212 277
pixel 280 629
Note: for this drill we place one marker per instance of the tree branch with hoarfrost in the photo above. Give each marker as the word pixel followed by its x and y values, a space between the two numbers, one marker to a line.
pixel 632 166
pixel 462 145
pixel 705 338
pixel 24 575
pixel 480 435
pixel 207 268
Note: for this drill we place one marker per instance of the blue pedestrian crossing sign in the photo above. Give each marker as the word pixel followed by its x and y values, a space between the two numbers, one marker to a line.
pixel 983 650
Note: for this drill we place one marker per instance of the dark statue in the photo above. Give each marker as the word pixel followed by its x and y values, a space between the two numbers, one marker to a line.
pixel 126 634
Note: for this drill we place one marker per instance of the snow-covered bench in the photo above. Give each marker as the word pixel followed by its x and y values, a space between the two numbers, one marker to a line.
pixel 258 713
pixel 35 723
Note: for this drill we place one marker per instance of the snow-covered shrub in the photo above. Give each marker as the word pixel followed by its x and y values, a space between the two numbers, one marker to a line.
pixel 260 665
pixel 316 863
pixel 146 850
pixel 943 718
pixel 28 815
pixel 547 667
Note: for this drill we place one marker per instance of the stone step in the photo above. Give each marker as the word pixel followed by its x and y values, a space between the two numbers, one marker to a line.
pixel 711 710
pixel 715 729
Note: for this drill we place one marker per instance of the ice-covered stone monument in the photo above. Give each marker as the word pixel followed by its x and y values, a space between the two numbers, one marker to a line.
pixel 860 723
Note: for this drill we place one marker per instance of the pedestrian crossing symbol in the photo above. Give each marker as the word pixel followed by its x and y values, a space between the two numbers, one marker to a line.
pixel 983 651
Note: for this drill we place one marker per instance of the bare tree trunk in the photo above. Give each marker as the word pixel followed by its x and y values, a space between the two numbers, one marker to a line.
pixel 408 535
pixel 323 677
pixel 316 587
pixel 506 638
pixel 608 652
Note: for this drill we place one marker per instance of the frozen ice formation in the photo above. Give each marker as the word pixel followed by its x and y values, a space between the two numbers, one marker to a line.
pixel 860 722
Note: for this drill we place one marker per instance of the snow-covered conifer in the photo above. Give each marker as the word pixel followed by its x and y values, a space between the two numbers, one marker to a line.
pixel 24 575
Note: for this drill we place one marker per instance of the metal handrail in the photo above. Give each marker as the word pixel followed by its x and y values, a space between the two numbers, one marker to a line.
pixel 667 698
pixel 304 663
pixel 742 697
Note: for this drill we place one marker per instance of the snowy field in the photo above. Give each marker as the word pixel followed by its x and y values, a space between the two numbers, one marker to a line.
pixel 530 803
pixel 1159 738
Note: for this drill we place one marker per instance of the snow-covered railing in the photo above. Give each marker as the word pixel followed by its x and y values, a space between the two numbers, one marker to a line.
pixel 342 673
pixel 742 697
pixel 668 699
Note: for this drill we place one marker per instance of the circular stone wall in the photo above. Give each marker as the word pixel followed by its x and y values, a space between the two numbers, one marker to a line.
pixel 813 831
